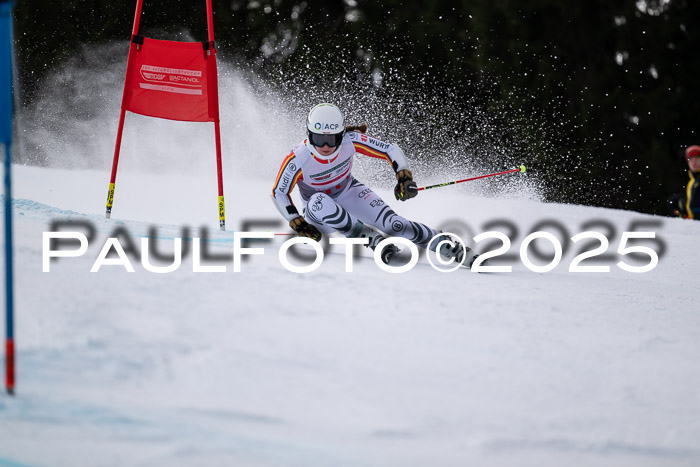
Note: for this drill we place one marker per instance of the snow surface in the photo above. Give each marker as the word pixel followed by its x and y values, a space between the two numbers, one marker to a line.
pixel 267 367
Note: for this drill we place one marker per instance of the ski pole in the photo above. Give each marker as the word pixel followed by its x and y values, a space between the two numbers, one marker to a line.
pixel 520 169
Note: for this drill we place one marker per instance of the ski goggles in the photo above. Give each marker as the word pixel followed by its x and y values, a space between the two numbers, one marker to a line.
pixel 320 140
pixel 692 151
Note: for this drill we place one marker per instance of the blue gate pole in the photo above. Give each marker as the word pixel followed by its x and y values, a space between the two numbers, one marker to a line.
pixel 6 141
pixel 9 283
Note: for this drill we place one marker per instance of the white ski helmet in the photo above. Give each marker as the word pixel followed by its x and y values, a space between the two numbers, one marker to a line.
pixel 325 125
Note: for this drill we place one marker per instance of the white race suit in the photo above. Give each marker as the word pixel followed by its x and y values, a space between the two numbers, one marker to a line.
pixel 333 199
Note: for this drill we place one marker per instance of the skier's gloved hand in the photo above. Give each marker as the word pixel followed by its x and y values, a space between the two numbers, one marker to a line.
pixel 406 188
pixel 304 229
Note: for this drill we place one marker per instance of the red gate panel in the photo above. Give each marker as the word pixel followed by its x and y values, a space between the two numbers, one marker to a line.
pixel 171 80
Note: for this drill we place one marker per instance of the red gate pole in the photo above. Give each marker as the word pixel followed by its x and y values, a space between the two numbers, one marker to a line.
pixel 222 212
pixel 214 103
pixel 117 146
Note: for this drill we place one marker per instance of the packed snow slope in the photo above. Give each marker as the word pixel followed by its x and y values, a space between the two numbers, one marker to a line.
pixel 268 367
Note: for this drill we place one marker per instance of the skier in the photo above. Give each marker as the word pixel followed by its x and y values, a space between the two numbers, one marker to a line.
pixel 334 201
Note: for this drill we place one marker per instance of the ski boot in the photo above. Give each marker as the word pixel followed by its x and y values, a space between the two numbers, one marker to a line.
pixel 360 230
pixel 461 253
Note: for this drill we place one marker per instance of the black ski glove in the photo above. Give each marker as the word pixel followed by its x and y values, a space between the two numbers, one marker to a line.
pixel 304 229
pixel 405 188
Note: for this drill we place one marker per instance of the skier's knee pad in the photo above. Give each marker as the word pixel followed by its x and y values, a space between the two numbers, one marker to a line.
pixel 319 206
